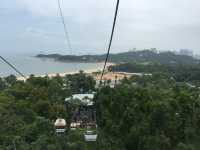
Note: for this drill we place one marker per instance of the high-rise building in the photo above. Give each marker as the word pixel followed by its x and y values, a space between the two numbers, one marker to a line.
pixel 186 52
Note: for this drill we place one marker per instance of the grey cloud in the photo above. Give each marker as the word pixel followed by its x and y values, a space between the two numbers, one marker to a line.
pixel 165 24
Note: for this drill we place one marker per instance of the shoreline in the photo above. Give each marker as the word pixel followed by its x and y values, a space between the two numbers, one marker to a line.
pixel 62 74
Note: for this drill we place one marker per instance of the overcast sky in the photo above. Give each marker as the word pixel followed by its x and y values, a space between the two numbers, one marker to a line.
pixel 31 26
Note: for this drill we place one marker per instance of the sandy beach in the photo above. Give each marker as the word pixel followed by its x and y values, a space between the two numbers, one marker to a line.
pixel 62 74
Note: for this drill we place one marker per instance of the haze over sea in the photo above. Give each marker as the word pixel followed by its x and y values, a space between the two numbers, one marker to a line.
pixel 28 64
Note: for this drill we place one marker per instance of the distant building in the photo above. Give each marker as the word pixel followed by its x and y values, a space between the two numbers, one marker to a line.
pixel 113 78
pixel 197 56
pixel 154 50
pixel 186 52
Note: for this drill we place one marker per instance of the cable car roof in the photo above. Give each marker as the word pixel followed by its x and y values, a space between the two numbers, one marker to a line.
pixel 60 123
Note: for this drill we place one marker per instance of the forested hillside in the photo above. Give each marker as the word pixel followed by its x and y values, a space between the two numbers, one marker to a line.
pixel 28 111
pixel 180 72
pixel 143 56
pixel 149 113
pixel 141 113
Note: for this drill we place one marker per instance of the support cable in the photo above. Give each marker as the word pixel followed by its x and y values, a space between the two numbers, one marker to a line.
pixel 64 25
pixel 12 66
pixel 111 39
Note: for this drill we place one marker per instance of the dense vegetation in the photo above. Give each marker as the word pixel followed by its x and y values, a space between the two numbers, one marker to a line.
pixel 149 113
pixel 28 111
pixel 141 113
pixel 132 56
pixel 180 72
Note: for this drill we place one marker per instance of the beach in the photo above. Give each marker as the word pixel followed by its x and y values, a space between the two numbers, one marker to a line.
pixel 62 74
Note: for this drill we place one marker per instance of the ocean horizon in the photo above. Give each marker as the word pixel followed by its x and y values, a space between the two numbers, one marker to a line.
pixel 29 64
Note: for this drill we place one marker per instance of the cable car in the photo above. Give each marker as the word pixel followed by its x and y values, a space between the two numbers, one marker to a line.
pixel 90 136
pixel 60 125
pixel 91 133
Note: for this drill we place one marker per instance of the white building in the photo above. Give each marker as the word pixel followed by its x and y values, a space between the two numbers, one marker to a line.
pixel 186 52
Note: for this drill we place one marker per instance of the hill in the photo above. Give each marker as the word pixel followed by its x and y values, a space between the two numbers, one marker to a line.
pixel 143 56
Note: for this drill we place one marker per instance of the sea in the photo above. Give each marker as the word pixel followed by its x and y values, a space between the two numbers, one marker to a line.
pixel 29 64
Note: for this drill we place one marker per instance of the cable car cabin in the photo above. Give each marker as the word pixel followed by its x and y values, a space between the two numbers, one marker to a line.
pixel 60 125
pixel 90 136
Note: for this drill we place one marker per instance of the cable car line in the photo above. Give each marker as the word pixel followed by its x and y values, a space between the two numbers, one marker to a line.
pixel 111 39
pixel 67 37
pixel 13 67
pixel 85 122
pixel 64 25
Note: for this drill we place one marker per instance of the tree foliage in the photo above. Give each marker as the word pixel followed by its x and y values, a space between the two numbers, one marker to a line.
pixel 28 111
pixel 156 115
